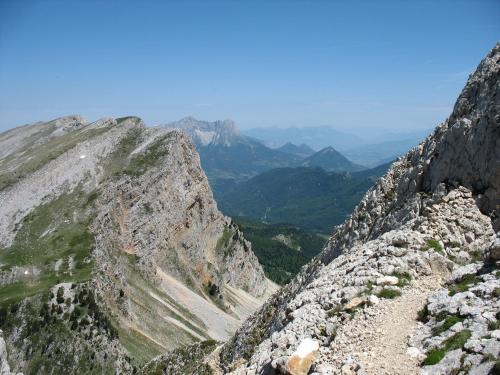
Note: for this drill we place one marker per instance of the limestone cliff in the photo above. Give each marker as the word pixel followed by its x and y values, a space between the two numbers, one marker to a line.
pixel 435 211
pixel 112 247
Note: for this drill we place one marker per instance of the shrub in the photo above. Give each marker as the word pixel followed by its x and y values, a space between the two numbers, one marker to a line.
pixel 435 245
pixel 60 295
pixel 493 325
pixel 463 285
pixel 434 356
pixel 441 315
pixel 403 278
pixel 389 293
pixel 335 311
pixel 447 324
pixel 457 341
pixel 423 314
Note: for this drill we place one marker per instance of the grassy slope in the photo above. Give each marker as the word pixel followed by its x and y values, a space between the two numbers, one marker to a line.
pixel 54 231
pixel 34 156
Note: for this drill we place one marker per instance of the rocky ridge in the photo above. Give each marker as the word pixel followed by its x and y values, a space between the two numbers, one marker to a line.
pixel 435 210
pixel 113 249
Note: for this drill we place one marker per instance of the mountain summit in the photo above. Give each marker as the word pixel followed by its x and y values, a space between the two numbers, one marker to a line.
pixel 331 160
pixel 205 133
pixel 301 150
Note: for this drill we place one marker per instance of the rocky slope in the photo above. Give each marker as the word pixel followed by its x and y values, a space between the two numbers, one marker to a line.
pixel 425 236
pixel 113 249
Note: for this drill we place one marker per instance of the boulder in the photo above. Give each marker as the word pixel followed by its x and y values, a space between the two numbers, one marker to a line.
pixel 301 360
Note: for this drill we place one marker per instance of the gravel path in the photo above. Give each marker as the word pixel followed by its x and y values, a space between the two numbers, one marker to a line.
pixel 376 340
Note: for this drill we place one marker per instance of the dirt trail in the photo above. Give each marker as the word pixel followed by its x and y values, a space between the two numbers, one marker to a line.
pixel 377 339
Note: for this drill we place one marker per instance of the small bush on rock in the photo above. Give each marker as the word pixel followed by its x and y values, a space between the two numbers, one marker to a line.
pixel 388 293
pixel 457 341
pixel 463 285
pixel 435 245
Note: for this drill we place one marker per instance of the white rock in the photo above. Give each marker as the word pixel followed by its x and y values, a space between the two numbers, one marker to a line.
pixel 301 360
pixel 373 299
pixel 387 280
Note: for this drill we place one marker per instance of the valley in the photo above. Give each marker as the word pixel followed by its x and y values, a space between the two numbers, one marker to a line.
pixel 148 235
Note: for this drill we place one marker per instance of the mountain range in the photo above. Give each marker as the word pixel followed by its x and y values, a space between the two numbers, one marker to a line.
pixel 114 258
pixel 228 157
pixel 372 149
pixel 316 137
pixel 226 154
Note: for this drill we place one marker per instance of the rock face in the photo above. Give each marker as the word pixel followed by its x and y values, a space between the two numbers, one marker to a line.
pixel 113 249
pixel 435 210
pixel 205 133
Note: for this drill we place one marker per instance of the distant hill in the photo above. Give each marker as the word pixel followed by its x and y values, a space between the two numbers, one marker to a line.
pixel 308 197
pixel 331 160
pixel 302 150
pixel 316 137
pixel 227 154
pixel 380 153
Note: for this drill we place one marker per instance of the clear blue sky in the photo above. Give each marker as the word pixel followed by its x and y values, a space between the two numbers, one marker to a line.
pixel 352 64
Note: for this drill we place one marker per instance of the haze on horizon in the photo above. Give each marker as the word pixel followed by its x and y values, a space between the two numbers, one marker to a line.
pixel 259 63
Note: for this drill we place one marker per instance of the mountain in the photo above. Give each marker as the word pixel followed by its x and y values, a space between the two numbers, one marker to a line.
pixel 317 137
pixel 204 133
pixel 331 160
pixel 112 249
pixel 307 197
pixel 226 154
pixel 410 281
pixel 302 150
pixel 371 148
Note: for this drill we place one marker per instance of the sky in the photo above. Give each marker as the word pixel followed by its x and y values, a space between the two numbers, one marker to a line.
pixel 395 65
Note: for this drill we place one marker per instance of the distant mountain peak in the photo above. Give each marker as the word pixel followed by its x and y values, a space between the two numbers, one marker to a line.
pixel 205 133
pixel 302 150
pixel 328 150
pixel 331 160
